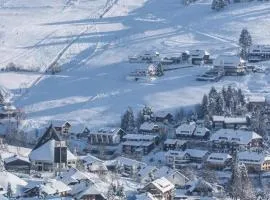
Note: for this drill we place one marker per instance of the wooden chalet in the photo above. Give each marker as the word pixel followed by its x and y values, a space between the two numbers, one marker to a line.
pixel 160 188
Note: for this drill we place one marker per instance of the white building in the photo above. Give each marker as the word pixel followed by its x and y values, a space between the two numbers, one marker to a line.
pixel 150 128
pixel 106 136
pixel 185 130
pixel 199 56
pixel 254 161
pixel 218 160
pixel 230 64
pixel 236 137
pixel 176 159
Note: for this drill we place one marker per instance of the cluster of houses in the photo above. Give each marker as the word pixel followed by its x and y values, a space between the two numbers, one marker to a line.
pixel 259 53
pixel 195 57
pixel 51 158
pixel 155 157
pixel 223 65
pixel 185 59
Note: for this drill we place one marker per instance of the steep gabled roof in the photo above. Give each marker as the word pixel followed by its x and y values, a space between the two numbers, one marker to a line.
pixel 48 135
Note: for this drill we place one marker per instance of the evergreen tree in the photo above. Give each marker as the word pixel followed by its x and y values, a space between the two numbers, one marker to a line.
pixel 159 70
pixel 203 107
pixel 180 115
pixel 139 119
pixel 247 192
pixel 240 186
pixel 218 4
pixel 128 122
pixel 212 98
pixel 2 99
pixel 245 41
pixel 229 98
pixel 241 97
pixel 9 191
pixel 219 105
pixel 235 184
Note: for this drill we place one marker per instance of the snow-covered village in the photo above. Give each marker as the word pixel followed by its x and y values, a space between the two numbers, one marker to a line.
pixel 135 99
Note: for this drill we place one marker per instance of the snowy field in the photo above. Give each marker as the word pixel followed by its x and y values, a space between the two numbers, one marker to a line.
pixel 92 88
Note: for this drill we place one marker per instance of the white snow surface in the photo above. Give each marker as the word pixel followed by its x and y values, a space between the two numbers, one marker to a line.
pixel 92 88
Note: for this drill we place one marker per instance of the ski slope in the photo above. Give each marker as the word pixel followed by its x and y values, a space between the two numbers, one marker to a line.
pixel 92 88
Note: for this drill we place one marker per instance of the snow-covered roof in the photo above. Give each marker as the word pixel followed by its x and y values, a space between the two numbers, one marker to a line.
pixel 73 175
pixel 88 159
pixel 145 171
pixel 138 143
pixel 139 137
pixel 16 157
pixel 97 166
pixel 196 153
pixel 163 185
pixel 248 157
pixel 54 186
pixel 199 184
pixel 217 118
pixel 106 131
pixel 225 60
pixel 200 131
pixel 16 183
pixel 218 157
pixel 198 53
pixel 91 190
pixel 236 136
pixel 186 129
pixel 256 99
pixel 235 120
pixel 46 153
pixel 130 162
pixel 164 171
pixel 161 114
pixel 171 141
pixel 148 126
pixel 179 154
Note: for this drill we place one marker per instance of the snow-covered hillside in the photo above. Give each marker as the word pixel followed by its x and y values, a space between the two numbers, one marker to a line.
pixel 92 88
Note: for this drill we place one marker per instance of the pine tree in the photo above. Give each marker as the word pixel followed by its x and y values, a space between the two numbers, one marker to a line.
pixel 159 70
pixel 9 191
pixel 229 98
pixel 180 115
pixel 241 97
pixel 203 107
pixel 235 184
pixel 245 41
pixel 247 192
pixel 218 4
pixel 139 119
pixel 2 99
pixel 212 98
pixel 128 122
pixel 219 105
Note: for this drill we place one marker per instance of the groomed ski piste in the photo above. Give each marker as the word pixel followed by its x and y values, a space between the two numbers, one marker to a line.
pixel 92 40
